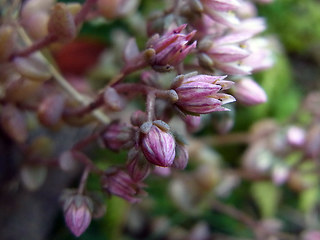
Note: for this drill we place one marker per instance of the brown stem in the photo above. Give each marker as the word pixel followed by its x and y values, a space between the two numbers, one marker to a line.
pixel 86 8
pixel 150 105
pixel 84 109
pixel 47 40
pixel 234 213
pixel 232 138
pixel 83 180
pixel 86 141
pixel 86 161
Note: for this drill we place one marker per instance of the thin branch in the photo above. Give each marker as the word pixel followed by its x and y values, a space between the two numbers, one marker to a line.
pixel 63 83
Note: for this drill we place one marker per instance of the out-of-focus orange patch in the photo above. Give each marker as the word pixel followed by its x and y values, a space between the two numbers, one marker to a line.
pixel 78 56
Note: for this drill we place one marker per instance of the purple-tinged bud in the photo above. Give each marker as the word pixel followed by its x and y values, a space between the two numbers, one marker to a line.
pixel 228 53
pixel 312 143
pixel 61 23
pixel 170 49
pixel 182 157
pixel 8 40
pixel 131 50
pixel 158 146
pixel 296 136
pixel 77 213
pixel 226 18
pixel 234 68
pixel 119 183
pixel 138 167
pixel 248 92
pixel 113 100
pixel 51 109
pixel 261 56
pixel 193 123
pixel 311 235
pixel 221 5
pixel 199 94
pixel 118 136
pixel 280 173
pixel 138 118
pixel 162 171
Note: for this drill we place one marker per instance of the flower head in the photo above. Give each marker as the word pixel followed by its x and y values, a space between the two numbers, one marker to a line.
pixel 119 183
pixel 200 94
pixel 158 145
pixel 170 49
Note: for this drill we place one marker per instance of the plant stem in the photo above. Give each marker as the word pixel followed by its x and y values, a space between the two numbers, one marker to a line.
pixel 150 105
pixel 83 180
pixel 86 8
pixel 63 83
pixel 47 40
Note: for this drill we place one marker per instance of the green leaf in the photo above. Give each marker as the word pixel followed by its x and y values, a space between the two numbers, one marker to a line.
pixel 266 196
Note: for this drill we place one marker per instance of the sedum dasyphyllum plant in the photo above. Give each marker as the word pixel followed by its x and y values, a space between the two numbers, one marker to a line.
pixel 195 58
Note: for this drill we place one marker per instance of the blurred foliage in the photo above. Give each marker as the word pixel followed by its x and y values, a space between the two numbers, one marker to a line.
pixel 295 22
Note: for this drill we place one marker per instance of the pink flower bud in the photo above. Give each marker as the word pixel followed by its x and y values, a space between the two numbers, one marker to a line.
pixel 158 146
pixel 280 173
pixel 199 94
pixel 296 136
pixel 162 171
pixel 118 136
pixel 227 53
pixel 248 92
pixel 182 157
pixel 221 5
pixel 193 123
pixel 170 49
pixel 138 167
pixel 77 213
pixel 119 183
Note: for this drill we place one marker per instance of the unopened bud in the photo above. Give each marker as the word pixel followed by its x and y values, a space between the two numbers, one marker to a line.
pixel 296 136
pixel 7 36
pixel 32 68
pixel 111 9
pixel 182 157
pixel 248 92
pixel 138 167
pixel 138 118
pixel 13 123
pixel 118 136
pixel 158 146
pixel 77 213
pixel 61 23
pixel 51 109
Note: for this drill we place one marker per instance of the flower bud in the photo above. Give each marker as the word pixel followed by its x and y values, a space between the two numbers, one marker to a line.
pixel 61 23
pixel 35 17
pixel 119 183
pixel 280 173
pixel 7 36
pixel 113 100
pixel 77 213
pixel 158 146
pixel 248 92
pixel 13 123
pixel 111 9
pixel 199 94
pixel 162 171
pixel 51 109
pixel 296 136
pixel 138 118
pixel 118 136
pixel 167 51
pixel 32 68
pixel 182 157
pixel 193 123
pixel 138 167
pixel 312 143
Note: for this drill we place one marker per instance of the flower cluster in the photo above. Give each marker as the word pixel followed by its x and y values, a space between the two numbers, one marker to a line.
pixel 209 46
